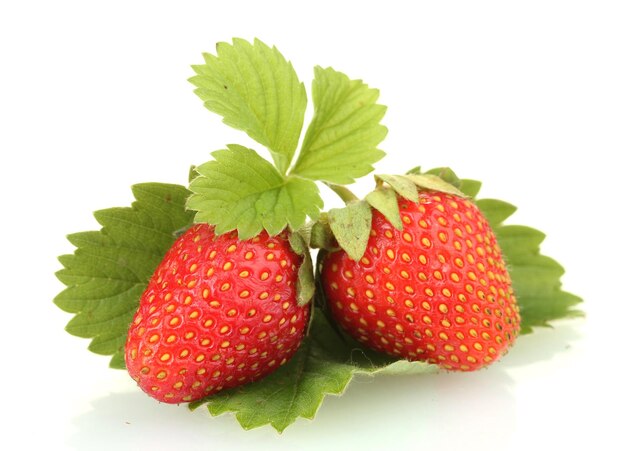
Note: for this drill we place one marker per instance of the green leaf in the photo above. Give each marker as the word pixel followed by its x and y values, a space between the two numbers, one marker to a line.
pixel 519 240
pixel 351 227
pixel 341 142
pixel 324 364
pixel 110 269
pixel 256 90
pixel 496 211
pixel 470 187
pixel 240 190
pixel 536 281
pixel 385 201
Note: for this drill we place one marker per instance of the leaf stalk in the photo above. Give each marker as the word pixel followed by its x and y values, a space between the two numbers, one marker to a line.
pixel 344 193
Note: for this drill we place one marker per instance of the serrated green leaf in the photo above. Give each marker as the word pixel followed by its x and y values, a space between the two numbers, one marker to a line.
pixel 401 185
pixel 239 190
pixel 117 361
pixel 256 90
pixel 519 240
pixel 351 227
pixel 385 201
pixel 341 141
pixel 470 187
pixel 538 274
pixel 537 286
pixel 324 364
pixel 405 368
pixel 110 268
pixel 107 343
pixel 496 211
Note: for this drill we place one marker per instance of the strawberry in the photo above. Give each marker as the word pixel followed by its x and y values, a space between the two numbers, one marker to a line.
pixel 217 313
pixel 438 290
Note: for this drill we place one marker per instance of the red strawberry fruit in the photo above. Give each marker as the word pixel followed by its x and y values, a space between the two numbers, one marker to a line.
pixel 218 312
pixel 438 290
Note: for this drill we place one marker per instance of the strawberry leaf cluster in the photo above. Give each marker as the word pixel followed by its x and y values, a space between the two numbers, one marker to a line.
pixel 256 90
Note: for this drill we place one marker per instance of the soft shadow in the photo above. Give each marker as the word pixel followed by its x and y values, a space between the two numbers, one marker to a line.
pixel 442 411
pixel 433 409
pixel 373 414
pixel 544 343
pixel 133 421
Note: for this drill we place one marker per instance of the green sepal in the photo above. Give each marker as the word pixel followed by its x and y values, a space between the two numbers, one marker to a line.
pixel 321 235
pixel 434 183
pixel 402 185
pixel 385 201
pixel 468 187
pixel 444 173
pixel 447 175
pixel 351 227
pixel 305 286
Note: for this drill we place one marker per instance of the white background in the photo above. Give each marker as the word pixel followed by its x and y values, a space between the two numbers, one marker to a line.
pixel 528 97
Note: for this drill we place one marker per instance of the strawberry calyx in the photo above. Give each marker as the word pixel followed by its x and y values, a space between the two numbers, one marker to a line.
pixel 350 226
pixel 305 285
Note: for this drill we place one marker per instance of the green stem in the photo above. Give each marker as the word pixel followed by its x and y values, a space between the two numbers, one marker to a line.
pixel 344 193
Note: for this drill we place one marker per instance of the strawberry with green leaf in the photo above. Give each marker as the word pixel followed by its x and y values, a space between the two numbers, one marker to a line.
pixel 181 290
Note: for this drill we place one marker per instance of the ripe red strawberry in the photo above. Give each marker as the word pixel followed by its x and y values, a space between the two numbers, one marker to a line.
pixel 218 312
pixel 437 291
